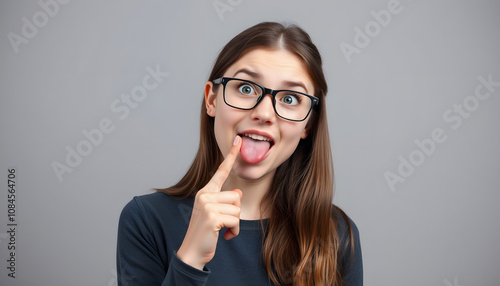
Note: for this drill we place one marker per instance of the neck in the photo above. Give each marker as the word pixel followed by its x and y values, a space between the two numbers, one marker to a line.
pixel 253 193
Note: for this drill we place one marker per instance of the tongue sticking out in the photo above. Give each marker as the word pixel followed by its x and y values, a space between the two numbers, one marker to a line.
pixel 254 151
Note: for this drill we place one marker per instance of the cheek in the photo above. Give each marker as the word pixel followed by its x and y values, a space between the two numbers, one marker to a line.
pixel 224 127
pixel 291 136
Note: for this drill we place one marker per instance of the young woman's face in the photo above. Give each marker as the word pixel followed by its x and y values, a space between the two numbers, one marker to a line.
pixel 259 157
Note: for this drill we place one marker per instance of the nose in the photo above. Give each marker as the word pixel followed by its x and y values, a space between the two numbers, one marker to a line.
pixel 264 111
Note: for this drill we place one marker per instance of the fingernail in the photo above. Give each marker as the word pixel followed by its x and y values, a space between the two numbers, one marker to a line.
pixel 236 140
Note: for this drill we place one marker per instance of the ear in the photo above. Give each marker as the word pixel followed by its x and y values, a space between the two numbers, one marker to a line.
pixel 304 133
pixel 210 98
pixel 306 130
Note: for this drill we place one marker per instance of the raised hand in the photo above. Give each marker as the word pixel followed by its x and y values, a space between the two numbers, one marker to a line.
pixel 213 209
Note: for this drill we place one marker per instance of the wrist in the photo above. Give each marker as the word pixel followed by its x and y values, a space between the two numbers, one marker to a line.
pixel 189 259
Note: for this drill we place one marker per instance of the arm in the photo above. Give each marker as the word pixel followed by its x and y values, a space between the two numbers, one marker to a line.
pixel 139 261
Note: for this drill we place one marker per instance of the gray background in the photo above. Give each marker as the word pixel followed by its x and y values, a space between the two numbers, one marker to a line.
pixel 441 226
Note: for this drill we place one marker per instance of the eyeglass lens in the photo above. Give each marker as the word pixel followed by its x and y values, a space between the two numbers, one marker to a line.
pixel 288 104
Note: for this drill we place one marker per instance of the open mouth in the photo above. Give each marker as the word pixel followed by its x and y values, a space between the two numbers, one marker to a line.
pixel 255 147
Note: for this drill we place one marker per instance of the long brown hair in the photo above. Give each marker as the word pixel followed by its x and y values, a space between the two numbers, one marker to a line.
pixel 301 245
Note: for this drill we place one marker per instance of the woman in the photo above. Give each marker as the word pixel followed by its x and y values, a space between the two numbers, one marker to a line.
pixel 263 213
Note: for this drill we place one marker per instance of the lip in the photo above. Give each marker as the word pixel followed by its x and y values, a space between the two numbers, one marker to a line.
pixel 257 132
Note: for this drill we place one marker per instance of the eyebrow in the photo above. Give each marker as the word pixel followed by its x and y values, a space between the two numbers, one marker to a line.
pixel 254 75
pixel 248 72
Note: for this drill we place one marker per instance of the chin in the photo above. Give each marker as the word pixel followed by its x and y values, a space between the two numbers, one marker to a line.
pixel 251 172
pixel 249 175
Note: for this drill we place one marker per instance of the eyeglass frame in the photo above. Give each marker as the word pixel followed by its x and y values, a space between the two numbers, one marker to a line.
pixel 272 92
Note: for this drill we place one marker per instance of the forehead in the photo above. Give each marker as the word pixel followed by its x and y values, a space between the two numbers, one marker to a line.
pixel 271 67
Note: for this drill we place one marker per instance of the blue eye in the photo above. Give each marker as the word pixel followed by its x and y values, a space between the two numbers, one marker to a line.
pixel 246 89
pixel 290 99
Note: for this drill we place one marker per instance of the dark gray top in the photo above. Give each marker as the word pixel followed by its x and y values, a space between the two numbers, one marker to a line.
pixel 152 228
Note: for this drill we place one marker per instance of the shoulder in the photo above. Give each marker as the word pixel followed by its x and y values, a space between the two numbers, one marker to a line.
pixel 349 248
pixel 346 228
pixel 156 202
pixel 156 208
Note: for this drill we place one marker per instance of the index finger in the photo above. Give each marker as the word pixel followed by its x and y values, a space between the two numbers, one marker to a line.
pixel 225 167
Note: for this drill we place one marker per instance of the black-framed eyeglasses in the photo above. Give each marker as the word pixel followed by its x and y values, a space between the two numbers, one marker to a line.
pixel 245 95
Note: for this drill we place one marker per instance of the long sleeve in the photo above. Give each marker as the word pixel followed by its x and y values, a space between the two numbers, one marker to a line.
pixel 152 227
pixel 138 258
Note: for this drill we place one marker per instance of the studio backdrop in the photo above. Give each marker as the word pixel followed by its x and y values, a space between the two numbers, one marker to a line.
pixel 100 100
